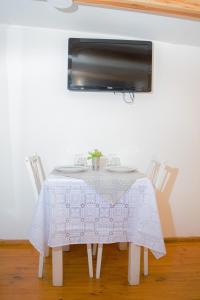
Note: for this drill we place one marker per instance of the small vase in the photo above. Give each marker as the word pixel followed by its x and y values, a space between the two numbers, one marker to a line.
pixel 95 163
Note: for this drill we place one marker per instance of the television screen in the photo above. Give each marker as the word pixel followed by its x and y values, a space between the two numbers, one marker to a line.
pixel 109 65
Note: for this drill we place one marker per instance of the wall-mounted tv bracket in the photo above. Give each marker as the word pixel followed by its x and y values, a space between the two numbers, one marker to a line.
pixel 128 97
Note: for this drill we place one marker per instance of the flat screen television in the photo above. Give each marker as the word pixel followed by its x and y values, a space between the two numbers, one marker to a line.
pixel 109 65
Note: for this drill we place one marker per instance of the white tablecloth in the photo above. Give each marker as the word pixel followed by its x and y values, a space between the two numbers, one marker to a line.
pixel 71 212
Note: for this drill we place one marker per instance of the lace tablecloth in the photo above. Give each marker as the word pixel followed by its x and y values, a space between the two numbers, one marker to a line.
pixel 111 186
pixel 69 211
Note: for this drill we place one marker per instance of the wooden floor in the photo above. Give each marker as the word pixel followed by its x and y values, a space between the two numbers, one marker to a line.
pixel 174 277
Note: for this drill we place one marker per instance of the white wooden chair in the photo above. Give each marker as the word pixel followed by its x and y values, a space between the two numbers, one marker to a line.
pixel 152 174
pixel 159 177
pixel 37 176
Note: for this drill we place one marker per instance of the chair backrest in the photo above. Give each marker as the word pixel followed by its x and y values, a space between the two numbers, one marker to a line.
pixel 153 171
pixel 164 179
pixel 36 172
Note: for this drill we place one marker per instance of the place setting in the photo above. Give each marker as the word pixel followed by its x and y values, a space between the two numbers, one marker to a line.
pixel 103 174
pixel 99 162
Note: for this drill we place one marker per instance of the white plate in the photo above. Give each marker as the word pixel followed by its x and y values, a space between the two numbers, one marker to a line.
pixel 121 169
pixel 71 169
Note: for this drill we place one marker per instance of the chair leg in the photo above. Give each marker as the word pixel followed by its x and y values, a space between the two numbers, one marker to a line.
pixel 41 266
pixel 57 266
pixel 90 264
pixel 134 264
pixel 94 250
pixel 146 271
pixel 99 259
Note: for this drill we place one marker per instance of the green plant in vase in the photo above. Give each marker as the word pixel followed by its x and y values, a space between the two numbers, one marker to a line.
pixel 95 157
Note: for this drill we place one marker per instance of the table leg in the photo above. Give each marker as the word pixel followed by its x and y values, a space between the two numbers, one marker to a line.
pixel 134 264
pixel 57 266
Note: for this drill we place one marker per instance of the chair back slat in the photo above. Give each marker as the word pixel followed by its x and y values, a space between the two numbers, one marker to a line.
pixel 166 174
pixel 153 171
pixel 36 173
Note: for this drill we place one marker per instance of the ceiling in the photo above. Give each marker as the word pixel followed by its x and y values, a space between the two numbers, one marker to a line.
pixel 99 20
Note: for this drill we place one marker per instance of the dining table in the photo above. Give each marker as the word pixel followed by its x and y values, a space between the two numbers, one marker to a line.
pixel 85 206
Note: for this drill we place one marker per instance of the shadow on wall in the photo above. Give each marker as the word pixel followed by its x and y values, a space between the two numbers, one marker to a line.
pixel 163 191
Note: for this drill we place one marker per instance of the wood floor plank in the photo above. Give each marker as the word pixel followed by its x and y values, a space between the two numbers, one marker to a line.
pixel 174 277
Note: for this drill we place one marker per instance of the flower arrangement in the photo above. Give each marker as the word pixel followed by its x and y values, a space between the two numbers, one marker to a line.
pixel 94 154
pixel 95 157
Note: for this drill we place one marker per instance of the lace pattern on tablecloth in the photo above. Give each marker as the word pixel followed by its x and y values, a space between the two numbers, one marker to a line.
pixel 71 212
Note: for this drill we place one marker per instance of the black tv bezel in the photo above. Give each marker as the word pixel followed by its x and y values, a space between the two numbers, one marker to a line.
pixel 71 41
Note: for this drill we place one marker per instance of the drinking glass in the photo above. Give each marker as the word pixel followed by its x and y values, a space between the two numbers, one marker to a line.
pixel 113 160
pixel 80 160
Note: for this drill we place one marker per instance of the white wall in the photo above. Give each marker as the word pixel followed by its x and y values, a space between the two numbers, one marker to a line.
pixel 48 119
pixel 7 204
